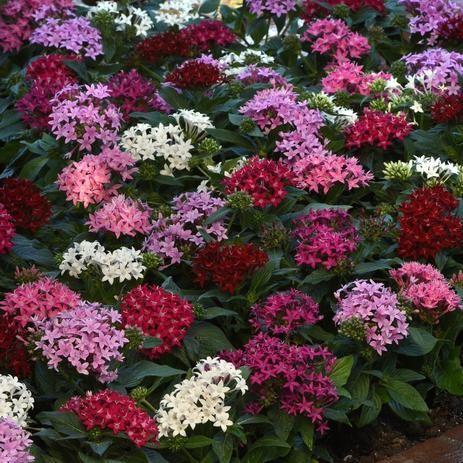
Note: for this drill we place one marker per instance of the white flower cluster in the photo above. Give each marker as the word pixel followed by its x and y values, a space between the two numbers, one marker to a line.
pixel 192 122
pixel 164 141
pixel 177 12
pixel 234 63
pixel 201 398
pixel 135 17
pixel 121 264
pixel 15 399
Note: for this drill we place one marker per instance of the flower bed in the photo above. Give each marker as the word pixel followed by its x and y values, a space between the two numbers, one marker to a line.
pixel 229 233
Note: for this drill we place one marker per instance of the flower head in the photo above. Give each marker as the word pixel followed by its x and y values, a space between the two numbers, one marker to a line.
pixel 15 442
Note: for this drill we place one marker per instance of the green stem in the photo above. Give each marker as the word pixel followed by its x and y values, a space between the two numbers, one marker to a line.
pixel 148 405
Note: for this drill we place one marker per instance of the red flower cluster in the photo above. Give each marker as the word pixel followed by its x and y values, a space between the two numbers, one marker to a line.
pixel 448 108
pixel 313 8
pixel 161 46
pixel 112 410
pixel 375 128
pixel 157 313
pixel 452 29
pixel 14 357
pixel 133 93
pixel 263 179
pixel 195 74
pixel 51 68
pixel 428 224
pixel 7 231
pixel 227 265
pixel 22 199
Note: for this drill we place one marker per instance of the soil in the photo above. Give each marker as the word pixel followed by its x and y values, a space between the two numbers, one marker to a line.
pixel 391 435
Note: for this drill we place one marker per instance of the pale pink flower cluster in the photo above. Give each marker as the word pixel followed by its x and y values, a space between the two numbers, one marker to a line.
pixel 121 216
pixel 427 290
pixel 85 115
pixel 377 307
pixel 90 180
pixel 333 37
pixel 85 337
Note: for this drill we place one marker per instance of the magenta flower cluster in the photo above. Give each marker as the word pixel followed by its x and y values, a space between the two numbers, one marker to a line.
pixel 253 74
pixel 283 313
pixel 85 115
pixel 85 337
pixel 15 442
pixel 377 308
pixel 276 7
pixel 324 237
pixel 172 235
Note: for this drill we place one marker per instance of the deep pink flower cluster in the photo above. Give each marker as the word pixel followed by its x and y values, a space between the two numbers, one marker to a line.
pixel 334 38
pixel 375 128
pixel 112 410
pixel 86 337
pixel 74 34
pixel 283 313
pixel 296 377
pixel 133 93
pixel 121 216
pixel 427 290
pixel 313 7
pixel 377 307
pixel 182 229
pixel 15 442
pixel 351 78
pixel 38 300
pixel 17 20
pixel 85 115
pixel 264 180
pixel 7 231
pixel 159 314
pixel 206 34
pixel 276 7
pixel 90 180
pixel 324 237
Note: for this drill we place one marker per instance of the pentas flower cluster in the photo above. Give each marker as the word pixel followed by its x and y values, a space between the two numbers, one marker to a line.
pixel 334 38
pixel 297 377
pixel 121 216
pixel 111 410
pixel 91 180
pixel 428 223
pixel 253 74
pixel 312 7
pixel 177 12
pixel 157 313
pixel 85 337
pixel 448 108
pixel 264 180
pixel 427 290
pixel 227 265
pixel 196 74
pixel 15 442
pixel 376 308
pixel 276 7
pixel 378 129
pixel 324 237
pixel 74 34
pixel 13 353
pixel 7 231
pixel 452 30
pixel 86 116
pixel 122 264
pixel 38 300
pixel 28 209
pixel 171 236
pixel 283 313
pixel 201 398
pixel 193 123
pixel 131 92
pixel 15 400
pixel 163 45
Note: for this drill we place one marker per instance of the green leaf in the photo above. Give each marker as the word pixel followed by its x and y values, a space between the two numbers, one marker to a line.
pixel 63 422
pixel 195 442
pixel 405 395
pixel 318 276
pixel 131 376
pixel 341 370
pixel 407 414
pixel 418 343
pixel 149 342
pixel 209 6
pixel 370 412
pixel 32 251
pixel 210 337
pixel 449 375
pixel 231 137
pixel 33 167
pixel 214 312
pixel 218 215
pixel 369 267
pixel 223 447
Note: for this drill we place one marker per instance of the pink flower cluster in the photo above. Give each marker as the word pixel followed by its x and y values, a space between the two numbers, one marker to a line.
pixel 15 442
pixel 427 290
pixel 324 237
pixel 7 231
pixel 133 93
pixel 264 180
pixel 253 74
pixel 377 307
pixel 112 410
pixel 74 34
pixel 85 337
pixel 121 216
pixel 296 377
pixel 172 235
pixel 85 115
pixel 38 300
pixel 276 7
pixel 90 180
pixel 283 313
pixel 334 38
